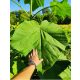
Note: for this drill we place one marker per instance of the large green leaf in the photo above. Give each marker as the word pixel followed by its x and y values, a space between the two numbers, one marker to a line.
pixel 35 3
pixel 30 34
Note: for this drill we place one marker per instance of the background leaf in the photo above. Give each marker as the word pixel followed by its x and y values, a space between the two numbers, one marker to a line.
pixel 35 3
pixel 62 9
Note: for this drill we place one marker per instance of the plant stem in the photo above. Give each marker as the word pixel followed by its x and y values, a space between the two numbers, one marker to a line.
pixel 30 7
pixel 44 8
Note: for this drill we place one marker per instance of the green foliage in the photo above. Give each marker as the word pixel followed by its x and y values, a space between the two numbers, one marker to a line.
pixel 38 18
pixel 18 16
pixel 12 18
pixel 62 9
pixel 30 35
pixel 17 63
pixel 50 17
pixel 35 3
pixel 46 16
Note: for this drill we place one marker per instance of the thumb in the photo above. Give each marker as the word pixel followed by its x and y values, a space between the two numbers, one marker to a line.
pixel 41 60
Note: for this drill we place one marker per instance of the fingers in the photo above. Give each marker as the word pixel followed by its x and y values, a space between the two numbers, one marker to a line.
pixel 29 56
pixel 34 52
pixel 34 57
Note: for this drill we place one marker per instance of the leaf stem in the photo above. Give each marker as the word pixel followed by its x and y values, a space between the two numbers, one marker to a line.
pixel 43 9
pixel 30 7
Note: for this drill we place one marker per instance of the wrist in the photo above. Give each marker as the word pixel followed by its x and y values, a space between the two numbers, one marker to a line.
pixel 33 66
pixel 32 63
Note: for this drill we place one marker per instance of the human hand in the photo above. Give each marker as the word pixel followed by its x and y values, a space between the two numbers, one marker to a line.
pixel 34 57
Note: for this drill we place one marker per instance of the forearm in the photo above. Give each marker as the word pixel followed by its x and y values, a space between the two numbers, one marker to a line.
pixel 26 73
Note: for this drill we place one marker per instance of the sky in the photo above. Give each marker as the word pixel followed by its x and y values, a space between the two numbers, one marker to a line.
pixel 14 7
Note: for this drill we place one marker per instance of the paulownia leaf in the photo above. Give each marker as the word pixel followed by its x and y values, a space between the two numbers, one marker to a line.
pixel 30 34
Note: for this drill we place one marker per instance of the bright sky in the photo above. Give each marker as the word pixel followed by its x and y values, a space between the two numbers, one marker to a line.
pixel 14 7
